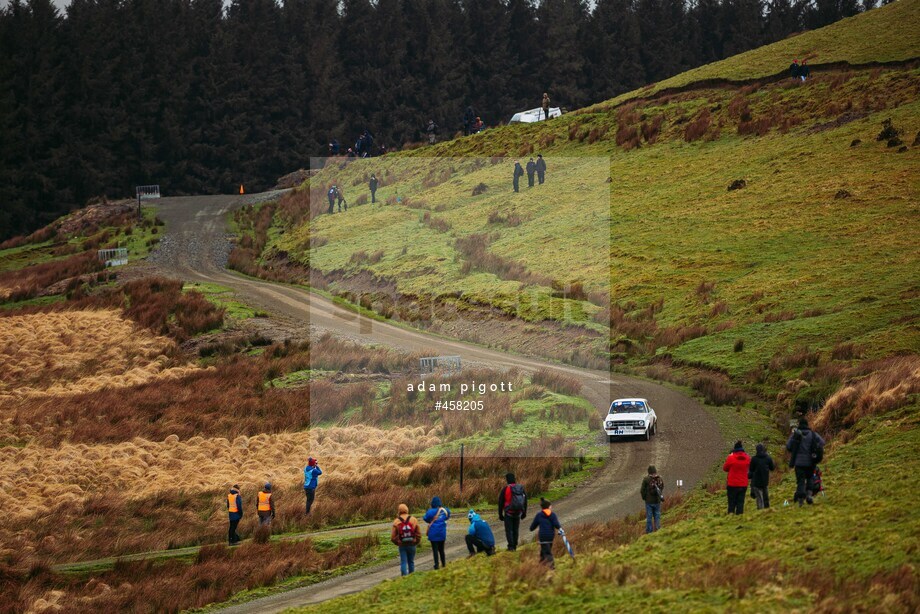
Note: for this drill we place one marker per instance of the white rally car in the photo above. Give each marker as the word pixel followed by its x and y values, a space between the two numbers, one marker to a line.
pixel 629 418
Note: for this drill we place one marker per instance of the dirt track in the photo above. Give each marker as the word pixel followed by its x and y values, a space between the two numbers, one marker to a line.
pixel 195 247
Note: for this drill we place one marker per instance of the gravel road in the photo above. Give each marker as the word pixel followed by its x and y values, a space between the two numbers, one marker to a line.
pixel 195 248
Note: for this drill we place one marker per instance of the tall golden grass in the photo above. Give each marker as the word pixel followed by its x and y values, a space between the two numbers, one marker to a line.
pixel 891 384
pixel 174 586
pixel 79 351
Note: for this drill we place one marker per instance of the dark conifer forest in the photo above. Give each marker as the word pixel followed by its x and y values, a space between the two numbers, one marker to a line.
pixel 199 96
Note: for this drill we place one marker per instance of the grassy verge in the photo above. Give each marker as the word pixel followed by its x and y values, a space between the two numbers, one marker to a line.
pixel 856 546
pixel 224 297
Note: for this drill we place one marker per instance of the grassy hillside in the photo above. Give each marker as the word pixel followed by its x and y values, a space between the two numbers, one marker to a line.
pixel 798 287
pixel 886 34
pixel 854 550
pixel 777 281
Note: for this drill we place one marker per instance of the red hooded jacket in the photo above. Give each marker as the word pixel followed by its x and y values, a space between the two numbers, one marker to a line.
pixel 737 465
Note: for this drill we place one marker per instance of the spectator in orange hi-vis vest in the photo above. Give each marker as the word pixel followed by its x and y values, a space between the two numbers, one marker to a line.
pixel 235 512
pixel 265 505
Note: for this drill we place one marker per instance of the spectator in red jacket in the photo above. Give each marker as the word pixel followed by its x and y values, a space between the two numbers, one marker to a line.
pixel 737 465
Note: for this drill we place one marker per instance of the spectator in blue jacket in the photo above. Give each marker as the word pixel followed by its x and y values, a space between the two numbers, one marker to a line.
pixel 548 523
pixel 437 517
pixel 310 473
pixel 235 513
pixel 479 538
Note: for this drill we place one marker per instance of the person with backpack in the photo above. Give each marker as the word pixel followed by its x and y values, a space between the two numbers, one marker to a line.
pixel 331 195
pixel 531 170
pixel 437 517
pixel 807 451
pixel 548 523
pixel 310 474
pixel 406 535
pixel 479 537
pixel 737 465
pixel 235 513
pixel 372 184
pixel 265 505
pixel 518 173
pixel 512 508
pixel 652 493
pixel 545 106
pixel 540 167
pixel 759 475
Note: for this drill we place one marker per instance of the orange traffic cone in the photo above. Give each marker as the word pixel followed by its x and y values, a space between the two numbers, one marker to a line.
pixel 242 191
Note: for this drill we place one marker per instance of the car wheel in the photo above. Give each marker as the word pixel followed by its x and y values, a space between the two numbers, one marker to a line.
pixel 610 438
pixel 655 428
pixel 648 433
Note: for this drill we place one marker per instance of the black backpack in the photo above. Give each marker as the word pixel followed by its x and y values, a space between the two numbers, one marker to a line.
pixel 817 451
pixel 518 500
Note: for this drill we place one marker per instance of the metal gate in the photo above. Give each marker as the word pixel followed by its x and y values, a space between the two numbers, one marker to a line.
pixel 431 364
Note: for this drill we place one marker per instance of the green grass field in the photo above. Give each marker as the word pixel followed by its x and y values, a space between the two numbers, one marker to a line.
pixel 857 546
pixel 789 261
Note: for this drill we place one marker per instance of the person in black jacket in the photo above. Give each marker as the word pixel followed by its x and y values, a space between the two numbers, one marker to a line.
pixel 331 194
pixel 518 173
pixel 794 70
pixel 759 474
pixel 548 524
pixel 512 508
pixel 806 447
pixel 540 167
pixel 531 170
pixel 372 184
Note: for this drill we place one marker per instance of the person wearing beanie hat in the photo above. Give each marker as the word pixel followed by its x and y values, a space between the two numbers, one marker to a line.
pixel 548 523
pixel 479 537
pixel 406 534
pixel 794 70
pixel 437 517
pixel 235 513
pixel 265 505
pixel 651 493
pixel 310 473
pixel 736 466
pixel 759 474
pixel 512 508
pixel 807 450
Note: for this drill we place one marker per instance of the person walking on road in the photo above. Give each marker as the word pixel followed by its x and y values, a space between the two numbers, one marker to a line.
pixel 548 523
pixel 407 536
pixel 518 173
pixel 807 449
pixel 265 505
pixel 531 170
pixel 545 106
pixel 759 474
pixel 437 517
pixel 479 537
pixel 737 465
pixel 540 167
pixel 235 513
pixel 651 492
pixel 512 508
pixel 372 184
pixel 310 474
